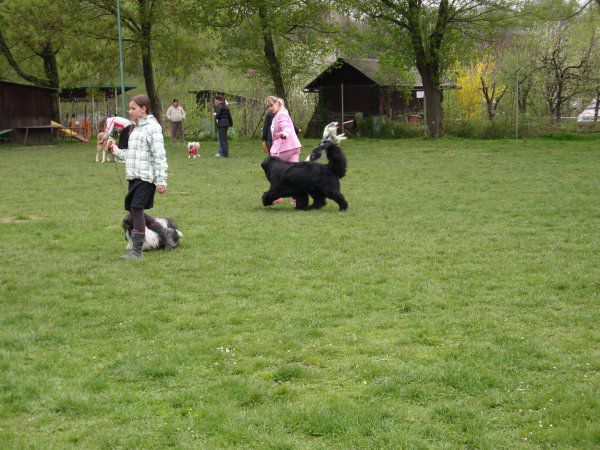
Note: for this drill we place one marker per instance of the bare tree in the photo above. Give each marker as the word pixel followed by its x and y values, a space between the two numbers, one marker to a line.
pixel 564 69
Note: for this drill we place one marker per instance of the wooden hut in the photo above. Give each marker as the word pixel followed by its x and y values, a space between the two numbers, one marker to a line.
pixel 26 112
pixel 351 86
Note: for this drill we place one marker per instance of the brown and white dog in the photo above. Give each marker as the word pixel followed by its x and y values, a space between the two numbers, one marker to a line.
pixel 102 146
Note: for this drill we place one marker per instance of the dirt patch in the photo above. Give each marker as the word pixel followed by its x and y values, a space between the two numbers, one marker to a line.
pixel 19 219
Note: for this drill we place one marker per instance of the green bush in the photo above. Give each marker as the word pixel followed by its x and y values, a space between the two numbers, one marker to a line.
pixel 383 127
pixel 504 127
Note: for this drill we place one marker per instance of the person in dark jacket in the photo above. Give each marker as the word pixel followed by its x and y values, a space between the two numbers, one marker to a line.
pixel 267 137
pixel 223 122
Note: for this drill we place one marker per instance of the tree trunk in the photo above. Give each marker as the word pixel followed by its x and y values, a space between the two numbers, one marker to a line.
pixel 427 60
pixel 146 47
pixel 489 101
pixel 597 107
pixel 271 56
pixel 558 105
pixel 433 106
pixel 524 89
pixel 51 70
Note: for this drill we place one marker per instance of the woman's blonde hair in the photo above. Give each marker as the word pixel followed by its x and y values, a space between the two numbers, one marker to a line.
pixel 271 100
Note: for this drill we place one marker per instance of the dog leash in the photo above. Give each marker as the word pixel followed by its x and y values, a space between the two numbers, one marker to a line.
pixel 118 174
pixel 117 169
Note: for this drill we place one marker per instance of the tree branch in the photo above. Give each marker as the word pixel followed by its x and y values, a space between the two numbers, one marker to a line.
pixel 13 63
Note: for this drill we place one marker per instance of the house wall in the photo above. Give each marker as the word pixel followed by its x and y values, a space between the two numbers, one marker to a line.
pixel 23 105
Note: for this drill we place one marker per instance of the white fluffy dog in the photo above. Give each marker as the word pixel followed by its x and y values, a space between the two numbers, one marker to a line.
pixel 330 137
pixel 151 239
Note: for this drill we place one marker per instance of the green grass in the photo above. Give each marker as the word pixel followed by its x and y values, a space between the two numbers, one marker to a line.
pixel 455 304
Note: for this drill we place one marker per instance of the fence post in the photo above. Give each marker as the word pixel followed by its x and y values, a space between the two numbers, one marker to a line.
pixel 517 111
pixel 342 88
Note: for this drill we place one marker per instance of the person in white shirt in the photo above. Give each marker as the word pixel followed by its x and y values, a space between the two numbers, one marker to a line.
pixel 119 125
pixel 176 115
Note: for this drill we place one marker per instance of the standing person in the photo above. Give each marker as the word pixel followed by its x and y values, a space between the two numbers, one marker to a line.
pixel 267 137
pixel 176 115
pixel 146 169
pixel 223 122
pixel 121 126
pixel 286 145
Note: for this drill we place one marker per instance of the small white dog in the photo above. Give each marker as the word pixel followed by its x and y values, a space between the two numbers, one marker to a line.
pixel 193 149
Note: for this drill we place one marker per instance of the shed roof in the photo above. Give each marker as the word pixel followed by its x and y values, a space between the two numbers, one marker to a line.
pixel 33 86
pixel 81 91
pixel 368 68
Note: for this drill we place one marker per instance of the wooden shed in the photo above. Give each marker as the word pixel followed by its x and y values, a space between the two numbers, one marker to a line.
pixel 351 86
pixel 26 112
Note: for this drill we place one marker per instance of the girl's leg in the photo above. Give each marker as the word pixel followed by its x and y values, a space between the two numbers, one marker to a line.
pixel 290 155
pixel 149 220
pixel 138 235
pixel 139 221
pixel 166 235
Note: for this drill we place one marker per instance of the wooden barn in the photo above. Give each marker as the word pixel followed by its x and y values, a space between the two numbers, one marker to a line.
pixel 26 112
pixel 351 86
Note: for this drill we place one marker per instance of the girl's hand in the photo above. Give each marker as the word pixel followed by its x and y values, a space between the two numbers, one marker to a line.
pixel 161 189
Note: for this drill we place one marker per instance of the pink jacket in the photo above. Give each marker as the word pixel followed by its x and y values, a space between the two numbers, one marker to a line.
pixel 282 122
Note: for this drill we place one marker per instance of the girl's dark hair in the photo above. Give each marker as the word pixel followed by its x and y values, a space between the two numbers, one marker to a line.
pixel 141 101
pixel 219 97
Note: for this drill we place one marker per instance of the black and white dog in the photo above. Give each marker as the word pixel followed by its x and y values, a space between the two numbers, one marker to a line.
pixel 151 239
pixel 309 178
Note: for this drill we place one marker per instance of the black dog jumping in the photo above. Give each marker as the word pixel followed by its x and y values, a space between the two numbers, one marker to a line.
pixel 309 178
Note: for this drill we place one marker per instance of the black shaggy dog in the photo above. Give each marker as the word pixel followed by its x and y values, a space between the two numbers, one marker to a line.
pixel 309 178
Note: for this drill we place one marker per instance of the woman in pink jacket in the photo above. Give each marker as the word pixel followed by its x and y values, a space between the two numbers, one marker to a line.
pixel 286 145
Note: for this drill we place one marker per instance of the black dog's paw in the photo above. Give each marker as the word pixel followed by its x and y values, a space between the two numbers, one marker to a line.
pixel 266 201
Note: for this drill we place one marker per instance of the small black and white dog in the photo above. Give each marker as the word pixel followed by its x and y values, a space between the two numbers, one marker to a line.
pixel 151 239
pixel 309 178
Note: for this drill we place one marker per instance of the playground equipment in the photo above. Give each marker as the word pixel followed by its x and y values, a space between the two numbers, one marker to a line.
pixel 69 132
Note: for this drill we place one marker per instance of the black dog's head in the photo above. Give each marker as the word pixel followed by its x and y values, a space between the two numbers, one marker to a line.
pixel 267 164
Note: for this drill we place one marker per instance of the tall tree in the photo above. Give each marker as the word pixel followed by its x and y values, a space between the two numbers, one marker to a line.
pixel 142 19
pixel 431 29
pixel 31 30
pixel 281 40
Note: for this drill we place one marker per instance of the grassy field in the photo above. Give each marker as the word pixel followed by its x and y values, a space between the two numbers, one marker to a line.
pixel 454 305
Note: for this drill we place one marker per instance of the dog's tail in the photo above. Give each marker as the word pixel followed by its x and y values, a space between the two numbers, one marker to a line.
pixel 337 160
